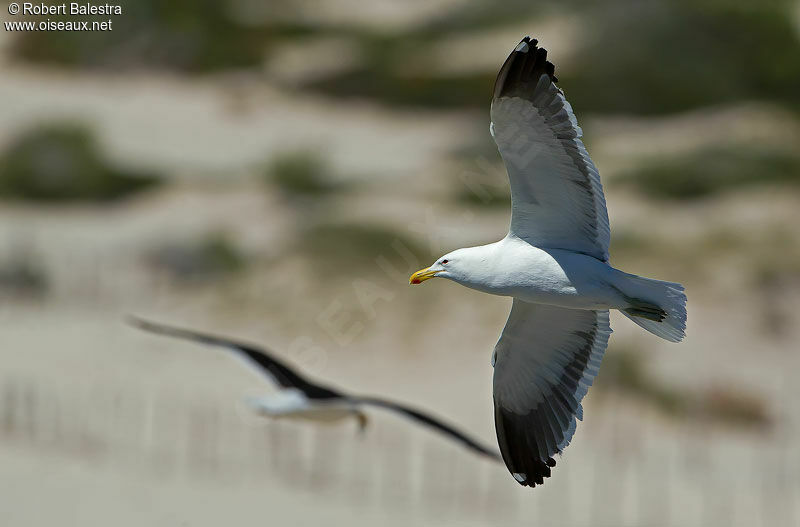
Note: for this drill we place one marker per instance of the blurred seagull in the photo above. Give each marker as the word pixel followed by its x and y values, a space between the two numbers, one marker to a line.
pixel 554 263
pixel 300 398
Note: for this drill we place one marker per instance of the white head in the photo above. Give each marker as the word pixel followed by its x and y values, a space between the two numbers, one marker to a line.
pixel 462 266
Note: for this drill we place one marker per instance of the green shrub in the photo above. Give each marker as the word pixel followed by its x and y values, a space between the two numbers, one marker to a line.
pixel 300 173
pixel 735 407
pixel 636 57
pixel 669 56
pixel 211 257
pixel 714 170
pixel 184 35
pixel 394 87
pixel 61 162
pixel 345 248
pixel 489 197
pixel 23 275
pixel 624 370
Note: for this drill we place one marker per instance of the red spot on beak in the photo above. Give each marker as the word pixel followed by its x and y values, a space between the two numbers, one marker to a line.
pixel 416 281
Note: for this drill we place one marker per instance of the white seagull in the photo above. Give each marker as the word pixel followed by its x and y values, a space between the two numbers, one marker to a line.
pixel 554 263
pixel 299 398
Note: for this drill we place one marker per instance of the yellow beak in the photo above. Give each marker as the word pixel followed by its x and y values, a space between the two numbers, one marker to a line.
pixel 422 275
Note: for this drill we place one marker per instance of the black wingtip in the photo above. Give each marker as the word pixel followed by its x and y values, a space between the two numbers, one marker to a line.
pixel 536 473
pixel 524 453
pixel 528 41
pixel 523 68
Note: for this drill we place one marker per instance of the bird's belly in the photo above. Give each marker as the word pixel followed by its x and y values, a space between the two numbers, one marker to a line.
pixel 567 297
pixel 557 278
pixel 552 290
pixel 290 403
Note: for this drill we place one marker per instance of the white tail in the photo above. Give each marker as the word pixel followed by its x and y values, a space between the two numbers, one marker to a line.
pixel 668 296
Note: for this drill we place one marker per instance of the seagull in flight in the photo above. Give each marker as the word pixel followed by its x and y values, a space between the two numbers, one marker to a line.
pixel 300 398
pixel 554 263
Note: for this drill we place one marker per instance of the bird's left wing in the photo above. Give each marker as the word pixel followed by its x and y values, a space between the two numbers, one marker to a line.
pixel 263 362
pixel 557 199
pixel 434 423
pixel 544 363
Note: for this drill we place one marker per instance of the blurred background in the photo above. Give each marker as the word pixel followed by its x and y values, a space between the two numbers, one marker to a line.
pixel 275 171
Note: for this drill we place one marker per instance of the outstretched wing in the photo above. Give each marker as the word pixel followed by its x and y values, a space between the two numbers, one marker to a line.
pixel 557 199
pixel 545 361
pixel 433 423
pixel 264 362
pixel 288 378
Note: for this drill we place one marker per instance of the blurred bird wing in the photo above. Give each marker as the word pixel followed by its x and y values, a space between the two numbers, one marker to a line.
pixel 545 361
pixel 557 198
pixel 433 423
pixel 303 399
pixel 263 363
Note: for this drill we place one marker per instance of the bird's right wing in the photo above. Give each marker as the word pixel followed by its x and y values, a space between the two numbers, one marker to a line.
pixel 262 361
pixel 434 423
pixel 557 199
pixel 544 363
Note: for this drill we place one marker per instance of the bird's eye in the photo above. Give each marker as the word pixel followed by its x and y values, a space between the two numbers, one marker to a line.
pixel 444 261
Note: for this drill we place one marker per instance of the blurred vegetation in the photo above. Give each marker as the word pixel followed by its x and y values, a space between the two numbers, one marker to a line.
pixel 630 60
pixel 481 15
pixel 667 56
pixel 775 313
pixel 735 407
pixel 773 266
pixel 485 185
pixel 384 73
pixel 624 370
pixel 300 173
pixel 749 255
pixel 651 57
pixel 716 242
pixel 490 197
pixel 383 76
pixel 356 248
pixel 481 179
pixel 23 275
pixel 714 170
pixel 61 162
pixel 184 35
pixel 212 257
